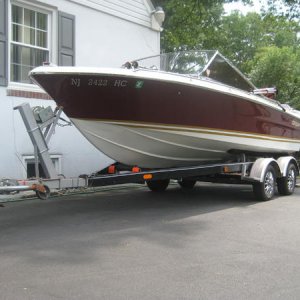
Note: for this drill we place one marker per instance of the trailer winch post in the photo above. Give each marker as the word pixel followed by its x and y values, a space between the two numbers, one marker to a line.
pixel 37 139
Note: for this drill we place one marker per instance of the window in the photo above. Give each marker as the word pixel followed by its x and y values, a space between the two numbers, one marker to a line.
pixel 36 32
pixel 29 42
pixel 29 163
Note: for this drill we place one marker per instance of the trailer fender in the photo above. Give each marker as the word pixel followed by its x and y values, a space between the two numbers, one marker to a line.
pixel 259 168
pixel 283 163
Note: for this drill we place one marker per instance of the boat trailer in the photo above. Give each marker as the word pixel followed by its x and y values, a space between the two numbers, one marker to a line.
pixel 264 173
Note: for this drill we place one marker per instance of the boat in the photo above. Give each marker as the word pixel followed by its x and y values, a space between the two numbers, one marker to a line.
pixel 172 110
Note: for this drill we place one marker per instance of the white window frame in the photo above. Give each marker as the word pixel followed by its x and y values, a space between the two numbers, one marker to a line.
pixel 52 13
pixel 56 159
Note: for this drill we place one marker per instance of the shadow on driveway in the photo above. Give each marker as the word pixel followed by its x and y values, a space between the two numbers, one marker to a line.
pixel 68 229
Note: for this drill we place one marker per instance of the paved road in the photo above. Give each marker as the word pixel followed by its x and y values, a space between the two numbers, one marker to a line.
pixel 214 242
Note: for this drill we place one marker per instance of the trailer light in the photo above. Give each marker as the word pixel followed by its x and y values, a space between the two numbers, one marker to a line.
pixel 226 169
pixel 136 170
pixel 147 176
pixel 111 169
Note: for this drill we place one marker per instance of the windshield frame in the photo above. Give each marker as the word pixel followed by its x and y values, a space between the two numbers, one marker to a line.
pixel 215 61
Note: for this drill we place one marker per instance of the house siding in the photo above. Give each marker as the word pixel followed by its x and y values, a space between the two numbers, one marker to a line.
pixel 137 11
pixel 107 34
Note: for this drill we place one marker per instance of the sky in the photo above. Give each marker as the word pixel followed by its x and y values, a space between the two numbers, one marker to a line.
pixel 229 7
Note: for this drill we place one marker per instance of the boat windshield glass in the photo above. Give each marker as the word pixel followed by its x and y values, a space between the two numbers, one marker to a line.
pixel 208 63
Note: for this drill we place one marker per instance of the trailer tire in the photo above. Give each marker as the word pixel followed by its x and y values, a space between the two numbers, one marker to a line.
pixel 158 185
pixel 41 195
pixel 286 185
pixel 265 190
pixel 187 184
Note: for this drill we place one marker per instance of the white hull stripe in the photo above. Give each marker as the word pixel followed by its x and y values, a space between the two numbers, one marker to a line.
pixel 140 151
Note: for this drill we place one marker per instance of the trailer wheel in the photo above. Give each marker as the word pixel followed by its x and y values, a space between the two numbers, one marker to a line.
pixel 265 190
pixel 187 184
pixel 158 185
pixel 286 185
pixel 41 195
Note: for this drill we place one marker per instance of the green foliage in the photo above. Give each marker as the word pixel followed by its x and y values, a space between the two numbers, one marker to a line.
pixel 280 66
pixel 242 36
pixel 191 24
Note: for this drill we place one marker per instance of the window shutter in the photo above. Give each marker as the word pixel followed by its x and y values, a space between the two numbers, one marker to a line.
pixel 3 43
pixel 66 39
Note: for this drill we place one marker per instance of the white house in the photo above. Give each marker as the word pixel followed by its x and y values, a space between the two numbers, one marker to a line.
pixel 104 33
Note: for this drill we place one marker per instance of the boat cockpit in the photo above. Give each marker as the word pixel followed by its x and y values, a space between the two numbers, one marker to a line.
pixel 204 64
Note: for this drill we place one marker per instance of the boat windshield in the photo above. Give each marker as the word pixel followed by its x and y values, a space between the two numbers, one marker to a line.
pixel 208 63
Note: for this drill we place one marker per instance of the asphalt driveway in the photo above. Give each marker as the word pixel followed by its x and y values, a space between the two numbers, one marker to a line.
pixel 214 242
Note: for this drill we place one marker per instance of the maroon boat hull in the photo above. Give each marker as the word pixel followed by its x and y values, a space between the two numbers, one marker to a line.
pixel 156 102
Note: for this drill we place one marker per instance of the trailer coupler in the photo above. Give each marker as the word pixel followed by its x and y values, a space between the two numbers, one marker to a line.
pixel 42 191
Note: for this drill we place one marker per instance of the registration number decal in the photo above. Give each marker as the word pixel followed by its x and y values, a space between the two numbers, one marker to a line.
pixel 96 82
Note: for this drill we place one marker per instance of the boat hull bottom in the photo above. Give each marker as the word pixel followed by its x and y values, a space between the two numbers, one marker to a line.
pixel 164 146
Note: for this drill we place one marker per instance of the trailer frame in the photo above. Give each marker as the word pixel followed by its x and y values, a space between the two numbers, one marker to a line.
pixel 264 173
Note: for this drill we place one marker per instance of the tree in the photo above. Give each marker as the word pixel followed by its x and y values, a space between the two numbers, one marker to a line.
pixel 280 67
pixel 242 36
pixel 191 24
pixel 289 9
pixel 201 24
